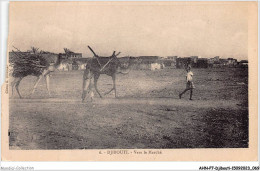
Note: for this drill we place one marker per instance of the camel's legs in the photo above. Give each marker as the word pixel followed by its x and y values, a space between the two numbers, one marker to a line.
pixel 83 90
pixel 12 86
pixel 47 77
pixel 36 83
pixel 17 86
pixel 109 91
pixel 96 76
pixel 86 83
pixel 114 85
pixel 87 77
pixel 13 83
pixel 45 72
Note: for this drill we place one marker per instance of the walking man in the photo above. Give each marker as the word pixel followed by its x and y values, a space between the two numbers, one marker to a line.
pixel 189 83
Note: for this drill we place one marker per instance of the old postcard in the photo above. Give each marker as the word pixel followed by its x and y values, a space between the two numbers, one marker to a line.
pixel 131 81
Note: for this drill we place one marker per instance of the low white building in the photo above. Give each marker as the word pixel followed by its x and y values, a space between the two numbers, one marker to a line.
pixel 155 66
pixel 63 67
pixel 82 66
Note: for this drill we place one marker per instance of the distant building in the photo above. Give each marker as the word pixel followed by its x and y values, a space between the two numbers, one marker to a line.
pixel 170 61
pixel 213 60
pixel 173 58
pixel 124 60
pixel 181 62
pixel 155 66
pixel 63 67
pixel 243 63
pixel 194 59
pixel 224 62
pixel 184 61
pixel 82 66
pixel 147 61
pixel 216 58
pixel 202 63
pixel 71 55
pixel 232 62
pixel 82 60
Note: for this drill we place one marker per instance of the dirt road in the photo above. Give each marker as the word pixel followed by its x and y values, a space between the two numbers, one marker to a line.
pixel 147 114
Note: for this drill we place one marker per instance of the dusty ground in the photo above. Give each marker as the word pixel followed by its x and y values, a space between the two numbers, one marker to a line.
pixel 147 114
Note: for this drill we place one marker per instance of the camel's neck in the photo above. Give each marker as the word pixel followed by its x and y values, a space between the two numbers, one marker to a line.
pixel 130 64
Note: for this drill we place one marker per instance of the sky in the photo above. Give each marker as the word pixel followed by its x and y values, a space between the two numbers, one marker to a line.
pixel 204 29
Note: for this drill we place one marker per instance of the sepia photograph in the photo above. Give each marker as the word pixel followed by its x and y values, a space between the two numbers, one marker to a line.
pixel 131 79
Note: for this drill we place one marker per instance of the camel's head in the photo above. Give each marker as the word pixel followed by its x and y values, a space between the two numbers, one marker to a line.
pixel 127 64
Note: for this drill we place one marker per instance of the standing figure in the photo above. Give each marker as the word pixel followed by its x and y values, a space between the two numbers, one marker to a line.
pixel 189 84
pixel 87 84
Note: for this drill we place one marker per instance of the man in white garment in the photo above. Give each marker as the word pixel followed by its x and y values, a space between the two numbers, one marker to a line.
pixel 189 83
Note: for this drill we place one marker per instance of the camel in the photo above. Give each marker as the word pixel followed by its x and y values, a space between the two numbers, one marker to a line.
pixel 32 64
pixel 103 65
